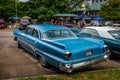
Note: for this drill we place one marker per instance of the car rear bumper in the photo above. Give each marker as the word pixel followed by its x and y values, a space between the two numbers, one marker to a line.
pixel 73 66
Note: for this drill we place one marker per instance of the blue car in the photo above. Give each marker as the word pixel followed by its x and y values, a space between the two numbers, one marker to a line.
pixel 60 47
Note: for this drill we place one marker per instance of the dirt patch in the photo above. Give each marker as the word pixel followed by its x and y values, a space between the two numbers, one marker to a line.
pixel 7 29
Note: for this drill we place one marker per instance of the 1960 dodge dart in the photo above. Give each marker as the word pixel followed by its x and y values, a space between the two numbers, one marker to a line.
pixel 58 46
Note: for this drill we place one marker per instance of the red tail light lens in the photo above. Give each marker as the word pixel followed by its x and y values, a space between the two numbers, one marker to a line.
pixel 68 55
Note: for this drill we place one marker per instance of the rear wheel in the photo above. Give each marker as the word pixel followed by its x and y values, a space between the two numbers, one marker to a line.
pixel 43 62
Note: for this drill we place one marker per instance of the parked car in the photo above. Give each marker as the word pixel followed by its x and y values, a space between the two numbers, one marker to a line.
pixel 2 24
pixel 110 36
pixel 59 47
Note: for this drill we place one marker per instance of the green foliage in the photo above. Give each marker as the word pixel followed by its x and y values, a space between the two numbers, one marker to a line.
pixel 44 9
pixel 38 9
pixel 8 8
pixel 111 10
pixel 95 75
pixel 75 3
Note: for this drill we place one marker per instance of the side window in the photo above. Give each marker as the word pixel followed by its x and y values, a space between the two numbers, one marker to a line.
pixel 29 31
pixel 35 33
pixel 26 29
pixel 22 27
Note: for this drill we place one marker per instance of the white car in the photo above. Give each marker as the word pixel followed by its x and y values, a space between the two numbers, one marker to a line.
pixel 106 32
pixel 110 36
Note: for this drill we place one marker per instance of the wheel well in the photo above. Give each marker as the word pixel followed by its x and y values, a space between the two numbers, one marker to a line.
pixel 15 38
pixel 38 56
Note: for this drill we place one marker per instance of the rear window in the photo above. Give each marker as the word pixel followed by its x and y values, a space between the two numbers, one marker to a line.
pixel 92 32
pixel 58 34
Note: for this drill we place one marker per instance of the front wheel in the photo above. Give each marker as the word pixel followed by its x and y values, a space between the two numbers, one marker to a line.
pixel 43 62
pixel 15 38
pixel 19 46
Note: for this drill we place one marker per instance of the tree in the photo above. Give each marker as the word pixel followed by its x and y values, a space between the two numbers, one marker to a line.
pixel 110 10
pixel 75 3
pixel 38 9
pixel 44 9
pixel 8 8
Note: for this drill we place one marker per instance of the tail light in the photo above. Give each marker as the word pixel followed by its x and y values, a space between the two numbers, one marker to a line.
pixel 68 55
pixel 107 50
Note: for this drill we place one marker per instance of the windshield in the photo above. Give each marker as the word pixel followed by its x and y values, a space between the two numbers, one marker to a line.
pixel 58 34
pixel 115 34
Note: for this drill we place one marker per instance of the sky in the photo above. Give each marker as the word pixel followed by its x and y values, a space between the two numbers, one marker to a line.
pixel 23 0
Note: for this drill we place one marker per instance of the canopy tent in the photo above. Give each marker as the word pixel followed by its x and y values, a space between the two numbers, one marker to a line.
pixel 83 16
pixel 65 15
pixel 15 17
pixel 25 20
pixel 98 18
pixel 26 17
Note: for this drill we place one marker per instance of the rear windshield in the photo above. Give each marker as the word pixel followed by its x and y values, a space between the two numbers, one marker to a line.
pixel 58 34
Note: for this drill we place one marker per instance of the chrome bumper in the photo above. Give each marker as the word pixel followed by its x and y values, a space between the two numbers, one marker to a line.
pixel 70 67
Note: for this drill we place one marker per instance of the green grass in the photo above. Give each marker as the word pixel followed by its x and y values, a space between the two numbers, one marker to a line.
pixel 95 75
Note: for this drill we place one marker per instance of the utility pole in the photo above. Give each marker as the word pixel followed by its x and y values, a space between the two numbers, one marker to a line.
pixel 16 9
pixel 84 7
pixel 84 11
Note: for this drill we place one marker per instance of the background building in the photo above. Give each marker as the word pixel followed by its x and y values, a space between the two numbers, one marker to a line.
pixel 90 7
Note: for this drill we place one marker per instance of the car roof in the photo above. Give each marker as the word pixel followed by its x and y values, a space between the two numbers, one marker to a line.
pixel 103 31
pixel 102 28
pixel 46 27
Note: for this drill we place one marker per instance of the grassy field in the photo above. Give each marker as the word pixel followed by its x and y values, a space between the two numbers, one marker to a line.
pixel 95 75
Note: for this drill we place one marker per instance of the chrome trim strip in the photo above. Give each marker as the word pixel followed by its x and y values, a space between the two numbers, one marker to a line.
pixel 115 52
pixel 48 55
pixel 33 48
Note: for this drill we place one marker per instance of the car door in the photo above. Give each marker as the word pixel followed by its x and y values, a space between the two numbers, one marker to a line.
pixel 27 38
pixel 21 37
pixel 33 40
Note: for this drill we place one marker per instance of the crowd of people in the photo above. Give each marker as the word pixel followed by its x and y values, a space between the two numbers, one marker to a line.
pixel 60 22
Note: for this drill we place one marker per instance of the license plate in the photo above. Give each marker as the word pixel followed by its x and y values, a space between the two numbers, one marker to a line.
pixel 88 53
